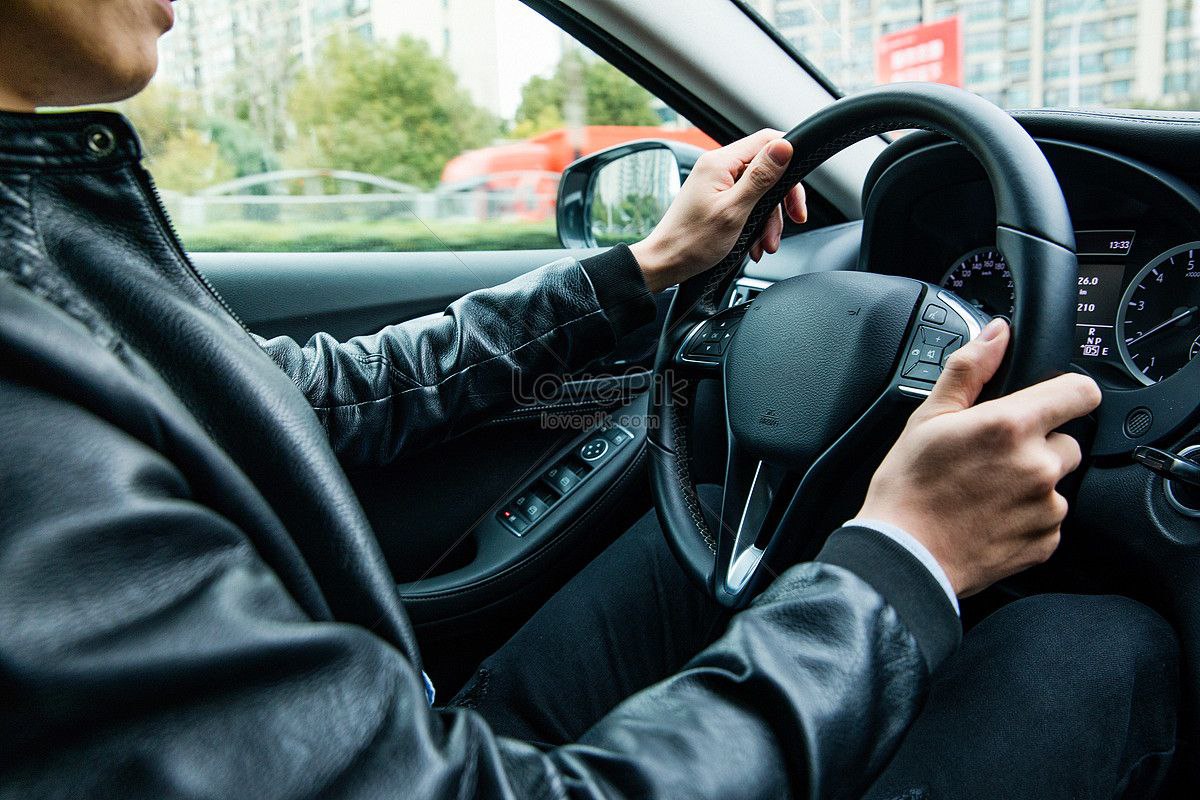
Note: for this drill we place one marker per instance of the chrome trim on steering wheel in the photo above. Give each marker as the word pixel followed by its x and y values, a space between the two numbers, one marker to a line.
pixel 745 557
pixel 973 327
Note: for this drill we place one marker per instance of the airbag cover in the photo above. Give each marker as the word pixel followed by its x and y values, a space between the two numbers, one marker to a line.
pixel 810 356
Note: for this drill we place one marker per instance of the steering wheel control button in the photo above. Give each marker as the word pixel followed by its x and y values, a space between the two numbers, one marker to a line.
pixel 913 357
pixel 709 340
pixel 936 337
pixel 714 338
pixel 718 329
pixel 934 314
pixel 562 478
pixel 931 354
pixel 513 521
pixel 594 450
pixel 923 371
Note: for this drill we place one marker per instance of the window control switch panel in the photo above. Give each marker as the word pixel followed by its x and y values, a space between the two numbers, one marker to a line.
pixel 567 472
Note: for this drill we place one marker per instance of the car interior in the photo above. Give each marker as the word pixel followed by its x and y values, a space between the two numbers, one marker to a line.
pixel 484 528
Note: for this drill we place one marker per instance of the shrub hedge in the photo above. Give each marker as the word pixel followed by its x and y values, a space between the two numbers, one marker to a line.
pixel 383 236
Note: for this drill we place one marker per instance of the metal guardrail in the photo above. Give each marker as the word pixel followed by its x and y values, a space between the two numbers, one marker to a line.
pixel 526 195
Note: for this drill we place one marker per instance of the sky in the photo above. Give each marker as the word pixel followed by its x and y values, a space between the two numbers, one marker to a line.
pixel 528 45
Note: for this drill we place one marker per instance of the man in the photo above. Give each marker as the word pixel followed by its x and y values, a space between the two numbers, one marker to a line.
pixel 192 603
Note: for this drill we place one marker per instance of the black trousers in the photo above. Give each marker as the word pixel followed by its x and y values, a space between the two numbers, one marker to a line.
pixel 1053 696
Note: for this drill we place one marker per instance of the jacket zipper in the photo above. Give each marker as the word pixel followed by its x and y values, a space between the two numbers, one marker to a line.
pixel 160 211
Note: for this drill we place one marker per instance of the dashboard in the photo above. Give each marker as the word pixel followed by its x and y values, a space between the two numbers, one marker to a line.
pixel 1137 235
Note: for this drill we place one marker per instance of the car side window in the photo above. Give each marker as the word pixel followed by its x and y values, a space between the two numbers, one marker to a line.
pixel 378 126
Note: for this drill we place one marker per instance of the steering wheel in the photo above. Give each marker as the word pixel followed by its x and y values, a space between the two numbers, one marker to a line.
pixel 821 367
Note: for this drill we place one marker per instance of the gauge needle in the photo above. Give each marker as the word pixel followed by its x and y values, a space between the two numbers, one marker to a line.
pixel 1163 325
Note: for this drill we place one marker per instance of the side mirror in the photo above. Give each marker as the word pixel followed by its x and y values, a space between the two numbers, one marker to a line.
pixel 619 194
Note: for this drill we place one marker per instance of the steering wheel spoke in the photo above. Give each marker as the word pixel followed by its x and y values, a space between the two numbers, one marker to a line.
pixel 756 497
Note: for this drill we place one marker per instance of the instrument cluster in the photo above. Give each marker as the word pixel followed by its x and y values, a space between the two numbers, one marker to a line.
pixel 1142 320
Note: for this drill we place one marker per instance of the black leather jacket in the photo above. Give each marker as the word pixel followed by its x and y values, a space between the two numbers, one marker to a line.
pixel 192 603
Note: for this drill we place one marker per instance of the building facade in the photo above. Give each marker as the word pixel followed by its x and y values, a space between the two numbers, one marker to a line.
pixel 261 44
pixel 1018 53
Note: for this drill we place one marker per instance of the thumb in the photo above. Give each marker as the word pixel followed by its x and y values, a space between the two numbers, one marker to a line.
pixel 763 172
pixel 968 370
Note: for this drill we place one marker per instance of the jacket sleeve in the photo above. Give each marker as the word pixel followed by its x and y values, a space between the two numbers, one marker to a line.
pixel 149 652
pixel 419 382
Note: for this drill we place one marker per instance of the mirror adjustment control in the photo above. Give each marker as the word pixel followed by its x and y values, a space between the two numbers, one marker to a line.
pixel 594 449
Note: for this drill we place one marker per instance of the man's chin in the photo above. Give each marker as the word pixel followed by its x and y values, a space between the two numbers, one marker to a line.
pixel 121 86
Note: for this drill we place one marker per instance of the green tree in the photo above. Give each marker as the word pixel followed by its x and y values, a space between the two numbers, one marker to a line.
pixel 391 110
pixel 610 97
pixel 241 146
pixel 173 129
pixel 161 113
pixel 189 162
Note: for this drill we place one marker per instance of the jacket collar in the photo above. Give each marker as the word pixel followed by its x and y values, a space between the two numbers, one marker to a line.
pixel 72 139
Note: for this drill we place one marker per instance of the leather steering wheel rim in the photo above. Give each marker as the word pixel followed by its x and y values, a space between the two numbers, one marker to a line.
pixel 1033 229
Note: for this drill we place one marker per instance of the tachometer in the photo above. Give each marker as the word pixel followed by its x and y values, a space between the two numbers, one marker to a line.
pixel 982 278
pixel 1158 326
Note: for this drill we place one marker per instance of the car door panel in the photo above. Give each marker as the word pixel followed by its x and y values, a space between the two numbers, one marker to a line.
pixel 347 294
pixel 434 511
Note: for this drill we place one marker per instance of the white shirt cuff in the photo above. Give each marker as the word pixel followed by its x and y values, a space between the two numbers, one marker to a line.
pixel 909 543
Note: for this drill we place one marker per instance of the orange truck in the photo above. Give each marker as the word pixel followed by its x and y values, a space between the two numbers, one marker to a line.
pixel 527 172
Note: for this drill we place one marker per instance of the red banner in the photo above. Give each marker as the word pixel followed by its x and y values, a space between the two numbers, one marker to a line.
pixel 930 52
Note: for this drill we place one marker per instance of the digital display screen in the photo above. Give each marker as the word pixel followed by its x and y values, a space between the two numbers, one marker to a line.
pixel 1103 243
pixel 1098 294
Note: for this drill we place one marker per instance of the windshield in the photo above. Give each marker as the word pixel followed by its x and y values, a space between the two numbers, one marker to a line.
pixel 1016 53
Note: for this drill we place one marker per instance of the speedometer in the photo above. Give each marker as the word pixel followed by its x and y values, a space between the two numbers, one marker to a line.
pixel 1158 327
pixel 982 278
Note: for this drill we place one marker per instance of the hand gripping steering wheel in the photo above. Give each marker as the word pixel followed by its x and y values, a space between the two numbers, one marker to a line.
pixel 817 365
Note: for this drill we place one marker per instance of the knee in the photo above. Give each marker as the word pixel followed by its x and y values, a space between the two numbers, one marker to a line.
pixel 1092 647
pixel 1094 628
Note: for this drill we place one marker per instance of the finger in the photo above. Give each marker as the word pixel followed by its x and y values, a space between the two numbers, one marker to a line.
pixel 1057 401
pixel 764 171
pixel 756 252
pixel 968 370
pixel 796 204
pixel 773 232
pixel 1067 450
pixel 746 148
